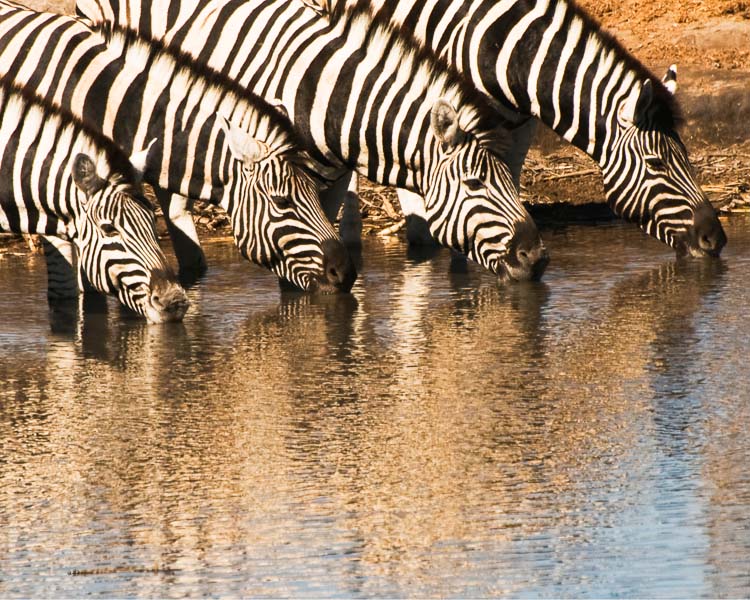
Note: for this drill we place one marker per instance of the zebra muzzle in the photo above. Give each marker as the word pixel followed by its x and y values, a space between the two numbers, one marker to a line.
pixel 705 237
pixel 339 272
pixel 528 257
pixel 167 300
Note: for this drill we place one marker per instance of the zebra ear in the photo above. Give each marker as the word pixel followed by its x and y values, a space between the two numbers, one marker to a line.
pixel 444 121
pixel 670 79
pixel 140 160
pixel 85 176
pixel 244 147
pixel 645 98
pixel 636 104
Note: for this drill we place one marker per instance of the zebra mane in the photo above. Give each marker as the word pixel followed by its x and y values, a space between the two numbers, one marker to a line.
pixel 267 118
pixel 477 115
pixel 667 112
pixel 111 161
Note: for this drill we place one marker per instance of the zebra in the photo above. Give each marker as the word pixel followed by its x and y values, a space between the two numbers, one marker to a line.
pixel 548 59
pixel 60 177
pixel 367 98
pixel 216 141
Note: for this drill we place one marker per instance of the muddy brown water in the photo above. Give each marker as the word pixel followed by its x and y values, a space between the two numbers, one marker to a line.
pixel 433 434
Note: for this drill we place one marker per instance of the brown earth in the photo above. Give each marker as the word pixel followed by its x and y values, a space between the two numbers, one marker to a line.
pixel 709 40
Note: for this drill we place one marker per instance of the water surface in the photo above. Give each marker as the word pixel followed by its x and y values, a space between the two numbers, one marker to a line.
pixel 432 434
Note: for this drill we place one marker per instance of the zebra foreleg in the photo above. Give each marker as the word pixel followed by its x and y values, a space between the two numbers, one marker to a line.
pixel 344 190
pixel 177 212
pixel 62 278
pixel 417 231
pixel 515 156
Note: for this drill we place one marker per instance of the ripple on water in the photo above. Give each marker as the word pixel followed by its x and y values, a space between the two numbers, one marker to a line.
pixel 432 434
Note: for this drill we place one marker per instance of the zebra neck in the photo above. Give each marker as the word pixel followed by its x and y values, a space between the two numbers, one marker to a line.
pixel 567 76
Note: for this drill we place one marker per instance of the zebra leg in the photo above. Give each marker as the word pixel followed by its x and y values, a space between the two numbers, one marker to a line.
pixel 177 212
pixel 345 190
pixel 62 280
pixel 69 318
pixel 332 197
pixel 350 226
pixel 522 137
pixel 417 231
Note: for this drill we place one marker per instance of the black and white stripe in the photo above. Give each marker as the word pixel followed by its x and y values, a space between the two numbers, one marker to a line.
pixel 59 177
pixel 218 142
pixel 364 97
pixel 550 60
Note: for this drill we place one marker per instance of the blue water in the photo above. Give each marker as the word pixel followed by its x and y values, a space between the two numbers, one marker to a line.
pixel 433 434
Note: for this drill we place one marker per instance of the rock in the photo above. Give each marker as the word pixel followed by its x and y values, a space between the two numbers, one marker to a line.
pixel 718 35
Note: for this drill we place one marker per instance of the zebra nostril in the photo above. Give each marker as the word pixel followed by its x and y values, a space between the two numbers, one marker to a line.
pixel 706 233
pixel 338 268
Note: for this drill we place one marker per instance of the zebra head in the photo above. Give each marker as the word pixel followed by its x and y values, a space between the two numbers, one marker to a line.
pixel 648 177
pixel 277 219
pixel 472 205
pixel 118 251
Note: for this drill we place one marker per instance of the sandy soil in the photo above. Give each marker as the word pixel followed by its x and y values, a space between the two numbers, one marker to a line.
pixel 710 42
pixel 705 33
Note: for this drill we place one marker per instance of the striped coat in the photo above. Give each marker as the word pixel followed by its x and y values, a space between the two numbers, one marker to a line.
pixel 366 97
pixel 548 59
pixel 60 177
pixel 217 142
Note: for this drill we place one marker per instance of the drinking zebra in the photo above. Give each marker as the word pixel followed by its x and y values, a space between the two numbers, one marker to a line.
pixel 60 177
pixel 365 97
pixel 550 60
pixel 218 142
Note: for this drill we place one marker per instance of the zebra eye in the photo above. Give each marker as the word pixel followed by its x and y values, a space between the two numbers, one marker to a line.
pixel 474 183
pixel 655 163
pixel 282 201
pixel 108 229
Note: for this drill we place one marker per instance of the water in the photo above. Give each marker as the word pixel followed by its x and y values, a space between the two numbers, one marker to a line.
pixel 434 434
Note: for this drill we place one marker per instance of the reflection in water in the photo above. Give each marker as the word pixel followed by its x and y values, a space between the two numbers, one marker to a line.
pixel 431 434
